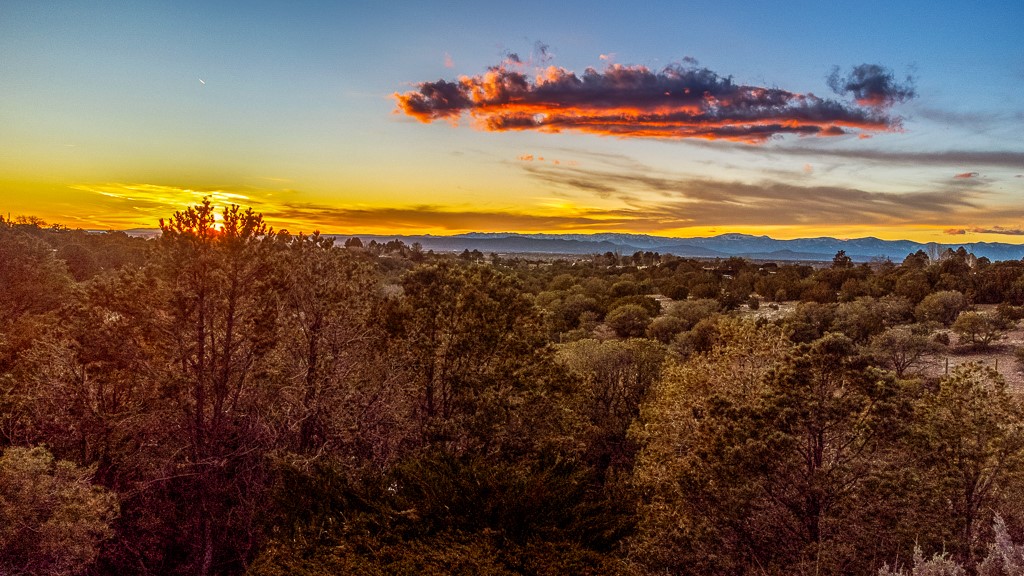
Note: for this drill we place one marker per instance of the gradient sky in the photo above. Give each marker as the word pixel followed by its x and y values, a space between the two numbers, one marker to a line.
pixel 115 114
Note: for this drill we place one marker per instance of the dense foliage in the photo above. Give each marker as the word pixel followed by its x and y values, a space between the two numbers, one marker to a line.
pixel 231 399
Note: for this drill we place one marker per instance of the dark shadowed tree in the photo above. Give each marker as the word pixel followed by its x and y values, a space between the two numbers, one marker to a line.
pixel 34 283
pixel 220 325
pixel 473 356
pixel 766 464
pixel 52 518
pixel 971 435
pixel 616 376
pixel 327 297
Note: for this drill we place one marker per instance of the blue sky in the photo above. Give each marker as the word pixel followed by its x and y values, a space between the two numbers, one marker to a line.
pixel 119 113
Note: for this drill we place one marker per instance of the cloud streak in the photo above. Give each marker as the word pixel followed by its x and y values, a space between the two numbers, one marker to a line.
pixel 672 201
pixel 143 204
pixel 642 200
pixel 678 102
pixel 446 218
pixel 1000 230
pixel 999 158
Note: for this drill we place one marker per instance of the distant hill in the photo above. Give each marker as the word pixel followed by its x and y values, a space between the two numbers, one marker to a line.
pixel 721 246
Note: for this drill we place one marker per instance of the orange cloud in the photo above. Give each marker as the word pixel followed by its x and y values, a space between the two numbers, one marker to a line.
pixel 680 101
pixel 555 161
pixel 966 175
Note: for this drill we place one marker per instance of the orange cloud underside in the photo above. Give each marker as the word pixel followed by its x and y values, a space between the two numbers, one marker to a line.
pixel 633 101
pixel 664 121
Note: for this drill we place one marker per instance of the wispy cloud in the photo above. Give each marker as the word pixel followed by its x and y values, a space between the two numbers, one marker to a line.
pixel 998 158
pixel 680 101
pixel 966 175
pixel 555 161
pixel 1000 230
pixel 635 198
pixel 973 120
pixel 128 205
pixel 447 218
pixel 161 194
pixel 134 204
pixel 679 201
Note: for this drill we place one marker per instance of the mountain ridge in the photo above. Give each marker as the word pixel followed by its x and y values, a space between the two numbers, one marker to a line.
pixel 762 247
pixel 731 244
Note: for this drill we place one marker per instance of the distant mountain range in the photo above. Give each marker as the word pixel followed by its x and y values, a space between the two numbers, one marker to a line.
pixel 721 246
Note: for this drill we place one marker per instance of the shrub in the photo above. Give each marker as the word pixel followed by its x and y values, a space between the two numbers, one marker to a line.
pixel 693 311
pixel 665 328
pixel 1010 313
pixel 903 350
pixel 629 321
pixel 979 330
pixel 52 518
pixel 652 306
pixel 676 292
pixel 705 290
pixel 625 288
pixel 701 338
pixel 942 307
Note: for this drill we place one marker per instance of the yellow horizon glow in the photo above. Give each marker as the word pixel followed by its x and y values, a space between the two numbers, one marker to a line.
pixel 119 206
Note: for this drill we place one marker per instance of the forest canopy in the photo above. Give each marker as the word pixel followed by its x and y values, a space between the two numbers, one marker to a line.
pixel 227 398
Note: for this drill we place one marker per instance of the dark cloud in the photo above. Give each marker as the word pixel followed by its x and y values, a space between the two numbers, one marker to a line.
pixel 871 85
pixel 1000 230
pixel 543 52
pixel 439 99
pixel 955 231
pixel 680 101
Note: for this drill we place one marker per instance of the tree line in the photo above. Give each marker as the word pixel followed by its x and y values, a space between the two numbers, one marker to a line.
pixel 232 399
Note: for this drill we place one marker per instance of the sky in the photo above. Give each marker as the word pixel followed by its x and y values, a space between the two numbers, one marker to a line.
pixel 899 120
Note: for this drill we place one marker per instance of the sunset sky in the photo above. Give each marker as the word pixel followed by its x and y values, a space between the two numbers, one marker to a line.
pixel 846 119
